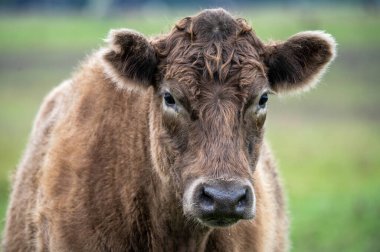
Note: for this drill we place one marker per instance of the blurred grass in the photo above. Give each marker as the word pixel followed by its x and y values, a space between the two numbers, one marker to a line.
pixel 28 32
pixel 331 172
pixel 327 142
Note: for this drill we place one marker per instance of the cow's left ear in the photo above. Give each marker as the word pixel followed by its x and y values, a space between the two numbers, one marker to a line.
pixel 298 63
pixel 130 60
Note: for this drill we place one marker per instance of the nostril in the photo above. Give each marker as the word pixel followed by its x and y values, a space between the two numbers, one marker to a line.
pixel 242 201
pixel 205 198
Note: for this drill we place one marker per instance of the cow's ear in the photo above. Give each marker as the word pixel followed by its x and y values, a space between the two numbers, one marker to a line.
pixel 130 60
pixel 298 63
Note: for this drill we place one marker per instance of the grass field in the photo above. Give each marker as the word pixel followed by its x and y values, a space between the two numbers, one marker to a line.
pixel 327 142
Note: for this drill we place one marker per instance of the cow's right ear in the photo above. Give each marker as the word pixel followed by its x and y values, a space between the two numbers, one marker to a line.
pixel 130 60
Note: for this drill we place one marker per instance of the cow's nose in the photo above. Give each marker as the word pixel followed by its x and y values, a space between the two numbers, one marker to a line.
pixel 224 202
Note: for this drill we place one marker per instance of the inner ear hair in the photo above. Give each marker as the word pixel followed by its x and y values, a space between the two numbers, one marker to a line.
pixel 298 63
pixel 130 60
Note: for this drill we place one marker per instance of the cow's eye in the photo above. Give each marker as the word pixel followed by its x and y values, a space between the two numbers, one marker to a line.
pixel 169 100
pixel 263 100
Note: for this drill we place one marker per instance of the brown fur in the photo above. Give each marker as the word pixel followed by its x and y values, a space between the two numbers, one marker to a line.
pixel 108 165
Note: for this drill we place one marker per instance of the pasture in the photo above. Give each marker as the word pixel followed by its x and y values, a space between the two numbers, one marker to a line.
pixel 327 142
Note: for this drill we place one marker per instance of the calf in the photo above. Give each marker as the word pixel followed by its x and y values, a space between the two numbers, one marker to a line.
pixel 157 145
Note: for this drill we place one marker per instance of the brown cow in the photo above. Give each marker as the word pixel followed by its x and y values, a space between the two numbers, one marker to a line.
pixel 157 145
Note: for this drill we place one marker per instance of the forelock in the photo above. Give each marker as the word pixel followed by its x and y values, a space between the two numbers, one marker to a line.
pixel 211 46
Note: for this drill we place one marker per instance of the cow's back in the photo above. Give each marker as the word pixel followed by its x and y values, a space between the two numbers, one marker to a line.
pixel 89 138
pixel 20 231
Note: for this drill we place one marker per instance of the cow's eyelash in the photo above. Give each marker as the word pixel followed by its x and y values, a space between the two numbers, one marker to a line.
pixel 179 99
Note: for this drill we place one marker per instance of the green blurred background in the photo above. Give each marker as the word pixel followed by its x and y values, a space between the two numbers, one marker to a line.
pixel 327 142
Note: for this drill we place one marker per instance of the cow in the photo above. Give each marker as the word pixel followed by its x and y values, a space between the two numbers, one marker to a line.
pixel 157 144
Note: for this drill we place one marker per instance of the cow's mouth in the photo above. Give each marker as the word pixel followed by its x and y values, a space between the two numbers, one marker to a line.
pixel 219 222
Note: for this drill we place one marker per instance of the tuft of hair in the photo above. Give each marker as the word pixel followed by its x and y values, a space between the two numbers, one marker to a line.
pixel 130 60
pixel 297 64
pixel 210 46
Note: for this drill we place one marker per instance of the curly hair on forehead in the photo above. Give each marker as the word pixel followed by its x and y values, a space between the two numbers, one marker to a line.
pixel 210 46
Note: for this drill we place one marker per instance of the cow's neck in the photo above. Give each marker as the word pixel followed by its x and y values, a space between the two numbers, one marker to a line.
pixel 169 230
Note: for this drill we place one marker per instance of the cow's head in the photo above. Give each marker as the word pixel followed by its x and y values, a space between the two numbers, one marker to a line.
pixel 212 77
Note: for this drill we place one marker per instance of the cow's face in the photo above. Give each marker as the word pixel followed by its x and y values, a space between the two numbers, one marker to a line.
pixel 212 77
pixel 214 137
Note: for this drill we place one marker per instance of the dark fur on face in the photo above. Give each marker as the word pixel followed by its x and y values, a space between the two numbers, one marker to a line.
pixel 211 64
pixel 210 47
